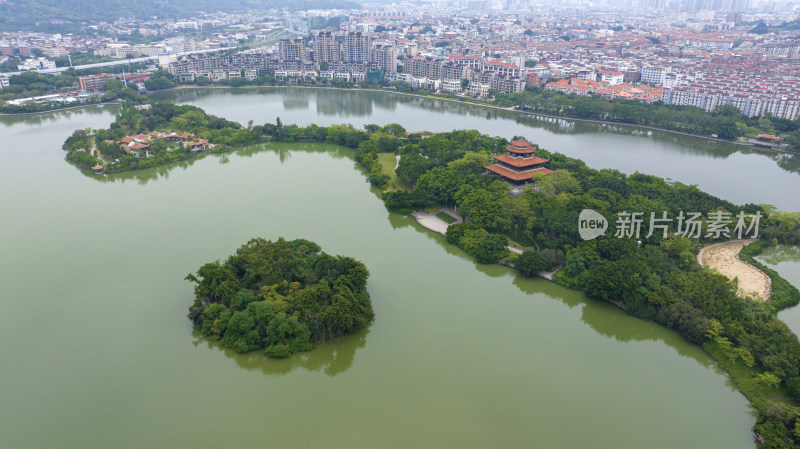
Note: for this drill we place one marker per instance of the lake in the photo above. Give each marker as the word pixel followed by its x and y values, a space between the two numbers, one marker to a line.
pixel 97 350
pixel 727 170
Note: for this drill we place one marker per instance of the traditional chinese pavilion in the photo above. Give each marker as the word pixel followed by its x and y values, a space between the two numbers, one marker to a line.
pixel 520 165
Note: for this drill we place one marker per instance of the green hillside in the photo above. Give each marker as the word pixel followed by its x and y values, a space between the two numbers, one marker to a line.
pixel 67 15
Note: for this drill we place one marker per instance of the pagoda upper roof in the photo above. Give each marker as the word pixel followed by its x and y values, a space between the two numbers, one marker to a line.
pixel 520 161
pixel 521 147
pixel 521 144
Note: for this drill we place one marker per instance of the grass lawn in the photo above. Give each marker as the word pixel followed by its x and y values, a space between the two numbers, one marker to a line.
pixel 514 244
pixel 447 218
pixel 510 257
pixel 388 163
pixel 519 241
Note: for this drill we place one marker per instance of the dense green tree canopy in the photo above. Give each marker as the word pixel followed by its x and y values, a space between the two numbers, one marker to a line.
pixel 282 297
pixel 727 122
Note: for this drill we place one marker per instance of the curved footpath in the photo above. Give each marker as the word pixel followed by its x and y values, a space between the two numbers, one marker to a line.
pixel 724 257
pixel 433 223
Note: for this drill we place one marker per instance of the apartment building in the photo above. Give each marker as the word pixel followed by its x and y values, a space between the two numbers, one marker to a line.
pixel 36 63
pixel 356 47
pixel 292 49
pixel 653 75
pixel 200 63
pixel 506 69
pixel 54 52
pixel 754 95
pixel 346 46
pixel 507 85
pixel 385 56
pixel 612 77
pixel 326 47
pixel 94 83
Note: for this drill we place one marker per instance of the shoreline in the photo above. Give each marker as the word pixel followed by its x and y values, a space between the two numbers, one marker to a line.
pixel 500 108
pixel 752 146
pixel 429 221
pixel 618 304
pixel 2 114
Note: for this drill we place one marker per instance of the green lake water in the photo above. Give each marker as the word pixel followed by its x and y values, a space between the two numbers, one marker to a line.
pixel 96 349
pixel 786 261
pixel 726 170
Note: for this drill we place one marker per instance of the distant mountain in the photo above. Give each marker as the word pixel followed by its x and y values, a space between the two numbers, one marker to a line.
pixel 58 15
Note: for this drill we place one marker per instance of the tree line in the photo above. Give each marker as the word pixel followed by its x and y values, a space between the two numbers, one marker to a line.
pixel 726 122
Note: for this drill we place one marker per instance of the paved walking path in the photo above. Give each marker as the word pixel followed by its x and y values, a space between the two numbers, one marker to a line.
pixel 430 221
pixel 548 274
pixel 433 223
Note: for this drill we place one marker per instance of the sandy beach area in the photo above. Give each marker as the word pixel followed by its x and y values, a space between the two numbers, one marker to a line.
pixel 724 257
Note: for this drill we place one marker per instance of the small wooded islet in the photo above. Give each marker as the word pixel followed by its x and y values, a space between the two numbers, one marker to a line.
pixel 282 297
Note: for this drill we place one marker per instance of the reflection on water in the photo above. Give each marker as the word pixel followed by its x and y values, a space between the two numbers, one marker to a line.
pixel 780 254
pixel 331 358
pixel 612 322
pixel 344 104
pixel 788 162
pixel 45 118
pixel 142 176
pixel 295 103
pixel 472 359
pixel 785 260
pixel 349 104
pixel 604 318
pixel 283 150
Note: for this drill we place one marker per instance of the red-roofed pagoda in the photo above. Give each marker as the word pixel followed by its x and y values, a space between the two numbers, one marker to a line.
pixel 520 165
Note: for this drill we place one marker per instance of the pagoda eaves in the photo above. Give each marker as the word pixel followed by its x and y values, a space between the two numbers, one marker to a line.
pixel 520 164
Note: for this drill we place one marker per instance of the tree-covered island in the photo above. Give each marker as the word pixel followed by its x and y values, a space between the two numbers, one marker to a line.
pixel 150 135
pixel 282 297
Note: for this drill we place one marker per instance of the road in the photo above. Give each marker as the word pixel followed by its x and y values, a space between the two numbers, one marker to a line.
pixel 114 63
